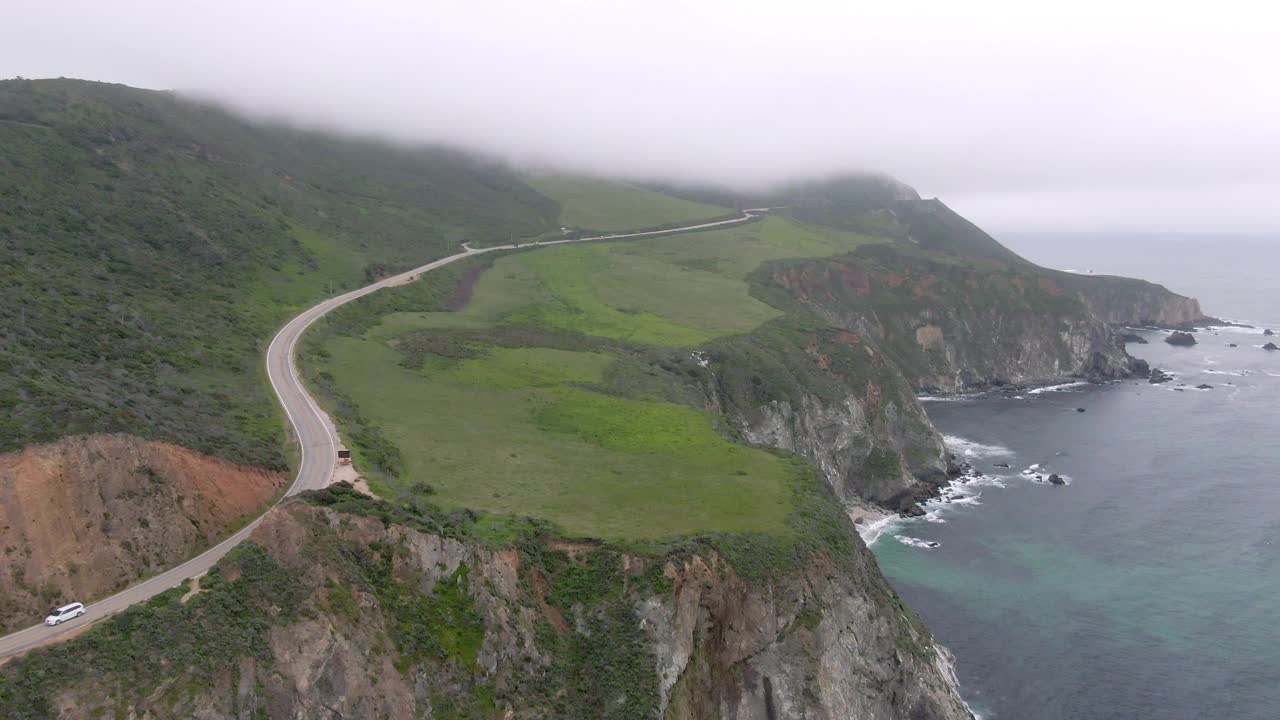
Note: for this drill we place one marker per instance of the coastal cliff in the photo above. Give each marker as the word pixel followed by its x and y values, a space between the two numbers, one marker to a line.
pixel 343 606
pixel 1119 301
pixel 358 611
pixel 954 308
pixel 867 331
pixel 959 326
pixel 834 397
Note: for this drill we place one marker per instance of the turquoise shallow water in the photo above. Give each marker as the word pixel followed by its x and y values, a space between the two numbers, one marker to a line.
pixel 1150 586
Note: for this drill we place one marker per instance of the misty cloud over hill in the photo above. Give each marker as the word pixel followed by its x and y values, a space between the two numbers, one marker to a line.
pixel 1100 117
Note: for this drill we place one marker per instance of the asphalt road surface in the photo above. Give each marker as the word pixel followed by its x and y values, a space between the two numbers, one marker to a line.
pixel 315 433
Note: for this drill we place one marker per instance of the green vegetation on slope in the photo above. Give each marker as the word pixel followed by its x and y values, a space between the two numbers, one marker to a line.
pixel 540 397
pixel 149 247
pixel 365 583
pixel 513 431
pixel 136 650
pixel 872 204
pixel 609 205
pixel 934 313
pixel 674 290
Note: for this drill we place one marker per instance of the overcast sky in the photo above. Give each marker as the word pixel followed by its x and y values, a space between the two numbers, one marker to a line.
pixel 1107 116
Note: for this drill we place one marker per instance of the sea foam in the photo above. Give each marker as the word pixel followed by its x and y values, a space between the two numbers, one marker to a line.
pixel 873 531
pixel 1056 388
pixel 971 449
pixel 917 542
pixel 964 490
pixel 1037 473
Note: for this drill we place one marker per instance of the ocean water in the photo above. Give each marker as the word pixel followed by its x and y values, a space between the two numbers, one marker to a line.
pixel 1149 586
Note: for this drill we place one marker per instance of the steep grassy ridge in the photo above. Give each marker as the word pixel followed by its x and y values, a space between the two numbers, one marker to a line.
pixel 869 203
pixel 596 204
pixel 149 246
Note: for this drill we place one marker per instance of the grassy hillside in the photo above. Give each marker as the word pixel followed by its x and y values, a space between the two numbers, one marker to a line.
pixel 557 390
pixel 149 246
pixel 595 204
pixel 871 204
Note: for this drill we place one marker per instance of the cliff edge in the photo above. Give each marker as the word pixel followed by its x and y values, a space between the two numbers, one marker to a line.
pixel 342 606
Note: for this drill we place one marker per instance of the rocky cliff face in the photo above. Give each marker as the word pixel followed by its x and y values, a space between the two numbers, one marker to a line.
pixel 886 454
pixel 1119 301
pixel 952 326
pixel 389 621
pixel 817 646
pixel 891 321
pixel 87 515
pixel 836 398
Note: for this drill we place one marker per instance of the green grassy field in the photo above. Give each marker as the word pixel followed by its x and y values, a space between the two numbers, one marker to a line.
pixel 593 204
pixel 674 290
pixel 518 426
pixel 514 432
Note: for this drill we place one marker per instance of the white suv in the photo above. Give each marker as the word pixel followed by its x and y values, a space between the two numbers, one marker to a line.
pixel 64 613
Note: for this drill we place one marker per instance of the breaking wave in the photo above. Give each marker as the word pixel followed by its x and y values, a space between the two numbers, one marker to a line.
pixel 917 542
pixel 873 531
pixel 970 449
pixel 945 398
pixel 1056 388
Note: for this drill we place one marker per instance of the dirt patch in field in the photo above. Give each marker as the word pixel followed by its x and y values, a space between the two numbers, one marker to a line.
pixel 572 549
pixel 195 590
pixel 466 287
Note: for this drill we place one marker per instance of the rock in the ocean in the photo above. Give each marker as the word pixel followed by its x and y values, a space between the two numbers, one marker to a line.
pixel 1159 376
pixel 1267 332
pixel 1133 338
pixel 1204 386
pixel 1002 465
pixel 1181 338
pixel 1232 345
pixel 1079 409
pixel 1055 480
pixel 1270 346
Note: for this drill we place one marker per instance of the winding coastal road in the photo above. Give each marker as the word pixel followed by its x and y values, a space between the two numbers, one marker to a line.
pixel 315 433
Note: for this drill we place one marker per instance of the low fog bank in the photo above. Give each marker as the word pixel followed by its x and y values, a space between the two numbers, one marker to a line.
pixel 1097 116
